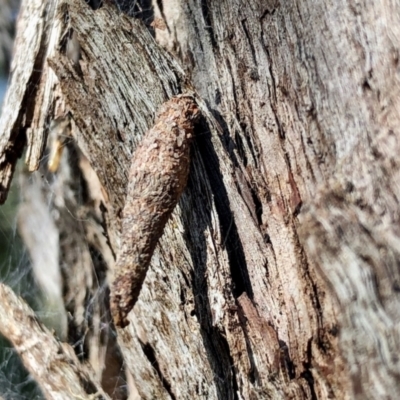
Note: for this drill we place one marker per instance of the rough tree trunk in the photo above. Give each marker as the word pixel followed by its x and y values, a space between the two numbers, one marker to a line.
pixel 278 273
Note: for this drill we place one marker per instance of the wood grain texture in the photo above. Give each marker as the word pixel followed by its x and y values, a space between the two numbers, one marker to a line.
pixel 32 98
pixel 276 276
pixel 157 177
pixel 111 101
pixel 308 94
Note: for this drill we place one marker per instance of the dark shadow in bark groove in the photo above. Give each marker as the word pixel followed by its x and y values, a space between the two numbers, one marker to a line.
pixel 149 353
pixel 230 236
pixel 94 4
pixel 196 220
pixel 141 9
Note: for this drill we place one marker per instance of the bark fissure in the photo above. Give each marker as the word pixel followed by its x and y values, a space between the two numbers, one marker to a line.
pixel 149 352
pixel 229 235
pixel 276 275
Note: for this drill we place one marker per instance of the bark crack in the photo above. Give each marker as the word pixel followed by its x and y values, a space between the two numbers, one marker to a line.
pixel 151 356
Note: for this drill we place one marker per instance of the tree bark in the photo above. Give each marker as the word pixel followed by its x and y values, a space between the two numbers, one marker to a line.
pixel 277 275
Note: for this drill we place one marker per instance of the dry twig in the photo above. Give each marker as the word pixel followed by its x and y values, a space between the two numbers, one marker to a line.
pixel 53 364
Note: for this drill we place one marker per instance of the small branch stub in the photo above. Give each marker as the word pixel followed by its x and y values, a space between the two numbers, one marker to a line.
pixel 157 178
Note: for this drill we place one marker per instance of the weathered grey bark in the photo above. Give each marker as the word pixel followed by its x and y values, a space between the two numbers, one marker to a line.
pixel 278 274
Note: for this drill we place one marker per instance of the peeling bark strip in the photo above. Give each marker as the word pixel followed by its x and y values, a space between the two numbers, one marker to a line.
pixel 158 175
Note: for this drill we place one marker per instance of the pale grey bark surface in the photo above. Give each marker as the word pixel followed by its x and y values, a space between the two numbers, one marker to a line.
pixel 278 273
